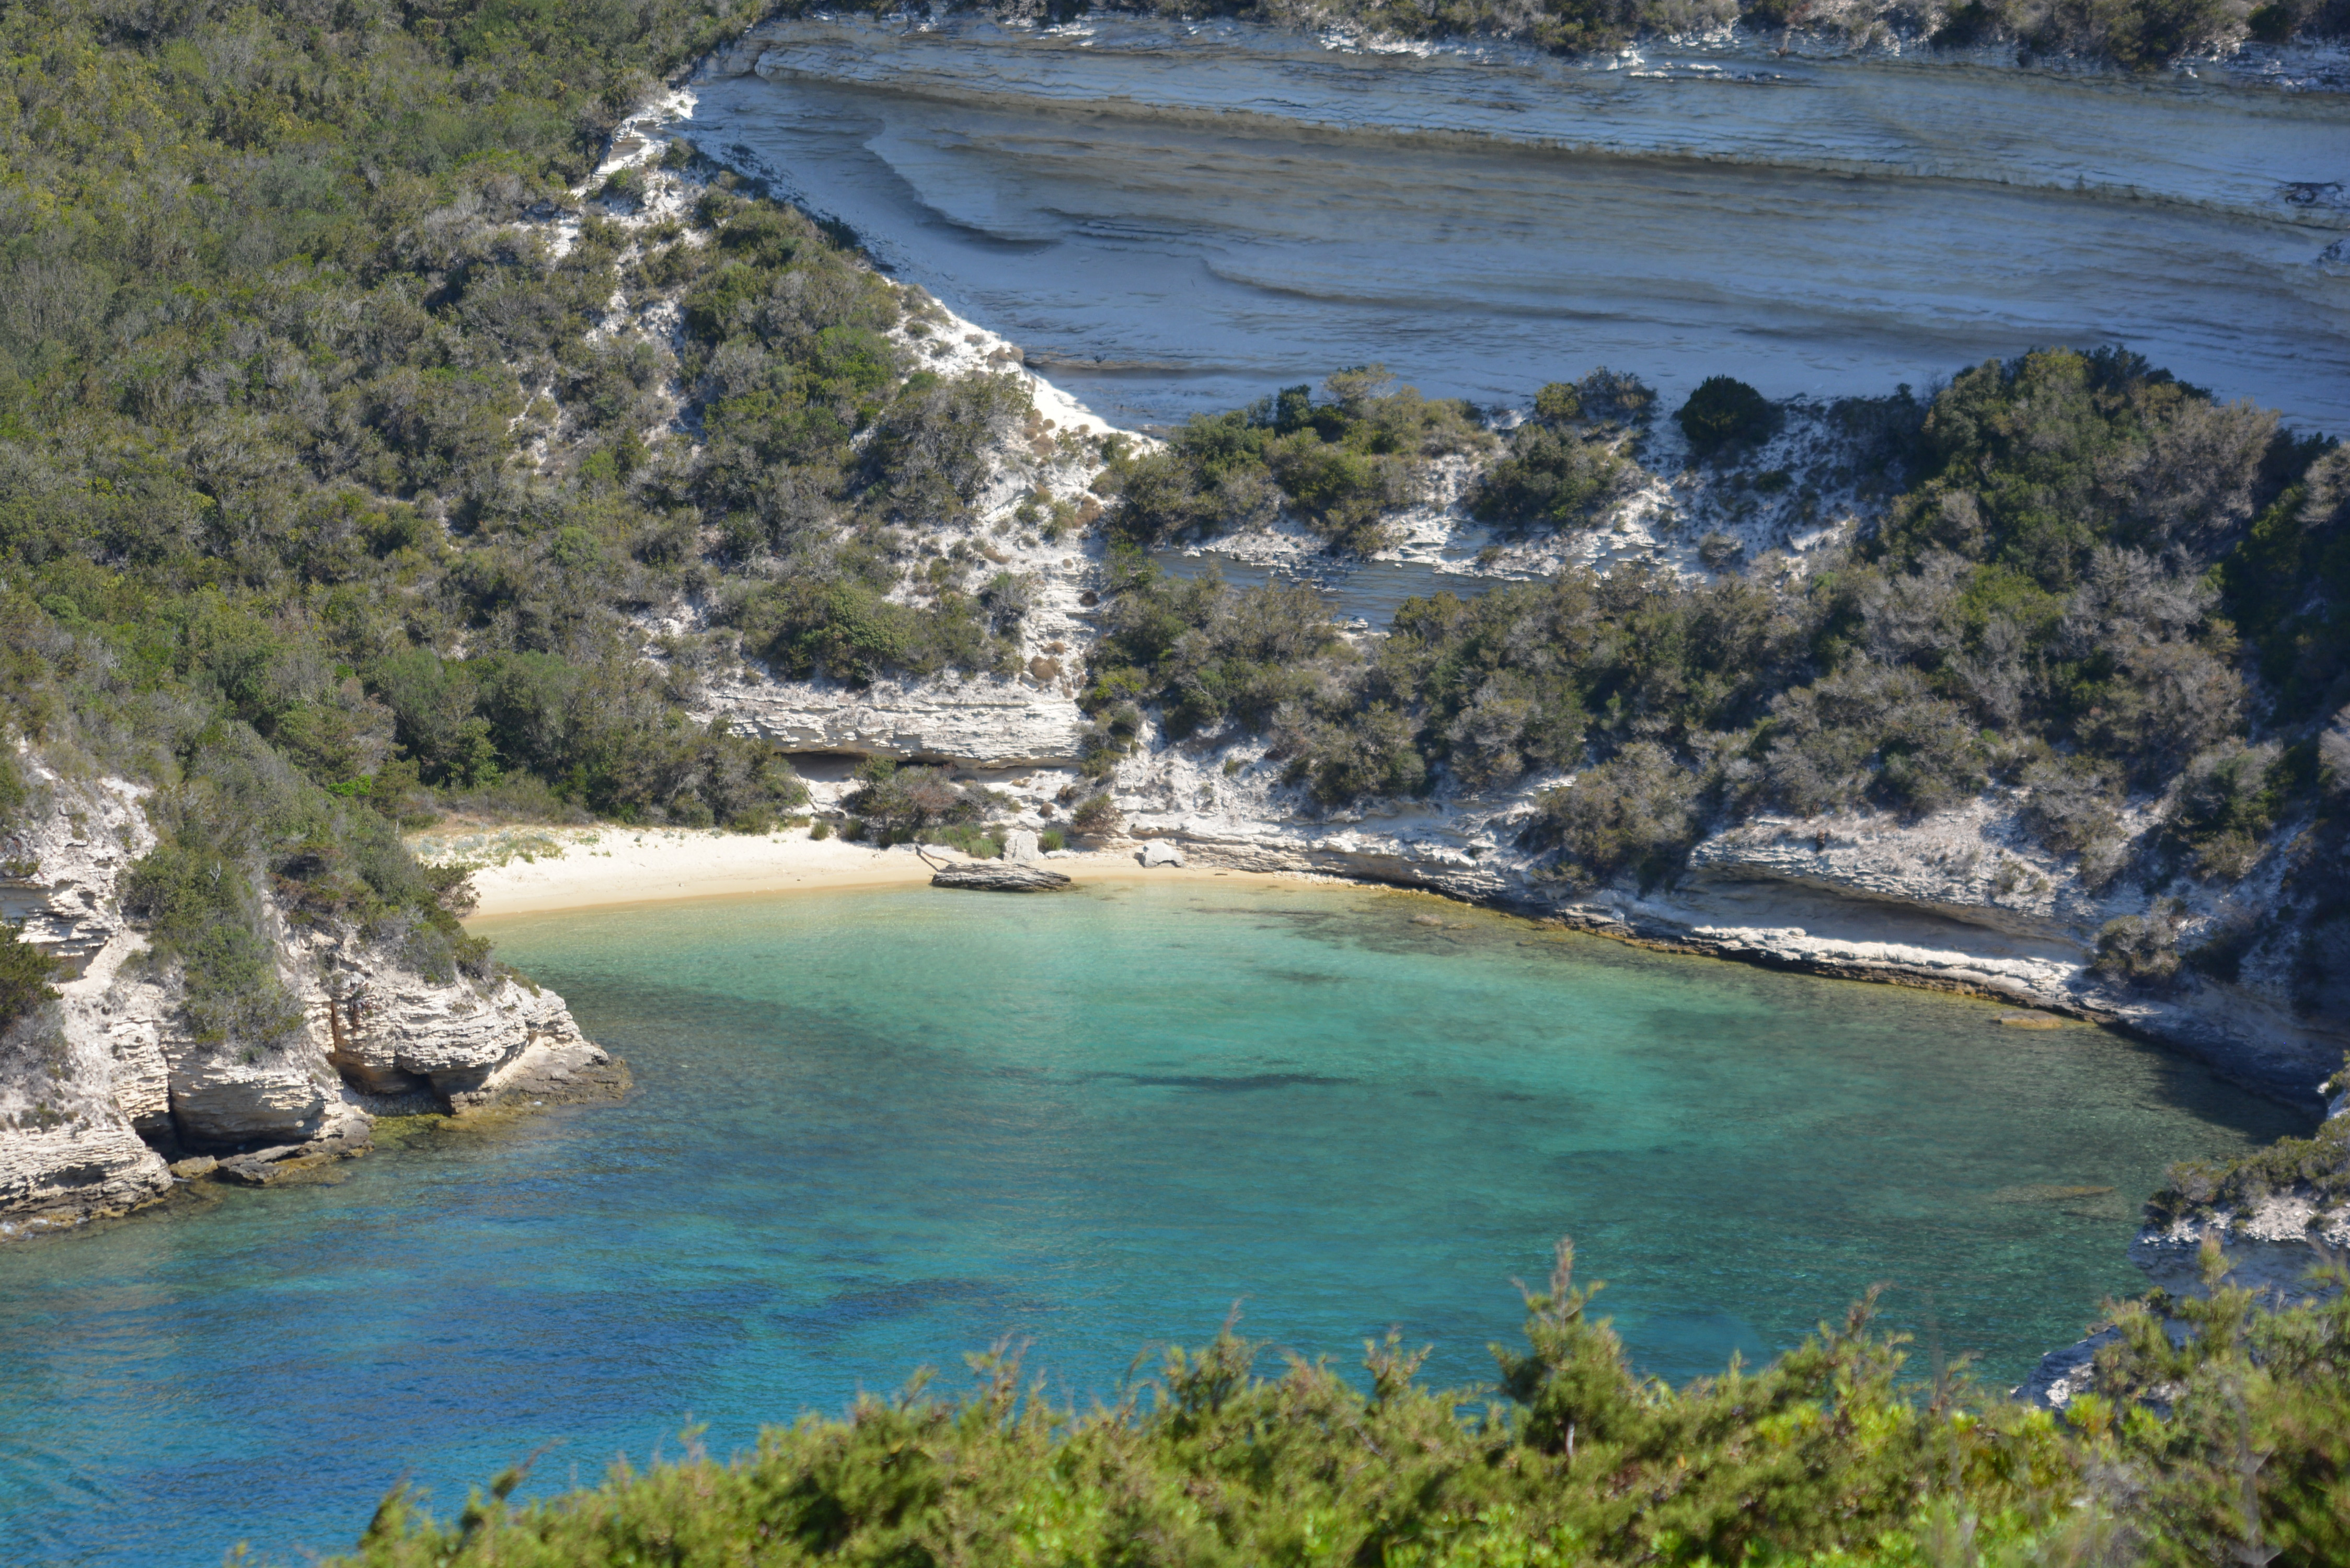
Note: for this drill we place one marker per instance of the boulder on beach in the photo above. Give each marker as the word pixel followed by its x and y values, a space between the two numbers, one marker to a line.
pixel 1158 852
pixel 999 877
pixel 1020 847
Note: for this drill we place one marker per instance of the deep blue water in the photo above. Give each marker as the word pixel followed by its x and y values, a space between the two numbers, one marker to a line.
pixel 874 1131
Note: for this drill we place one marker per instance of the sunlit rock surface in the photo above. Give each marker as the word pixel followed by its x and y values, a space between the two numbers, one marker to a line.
pixel 96 1088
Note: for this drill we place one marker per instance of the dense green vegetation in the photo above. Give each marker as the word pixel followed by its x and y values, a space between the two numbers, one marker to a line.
pixel 1339 466
pixel 26 973
pixel 1723 410
pixel 325 502
pixel 2094 581
pixel 894 803
pixel 1829 1456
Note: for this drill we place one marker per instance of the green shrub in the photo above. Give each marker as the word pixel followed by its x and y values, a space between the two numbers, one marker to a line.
pixel 820 829
pixel 1633 813
pixel 899 804
pixel 1050 840
pixel 1340 465
pixel 2226 800
pixel 2072 805
pixel 1721 411
pixel 1097 816
pixel 25 975
pixel 2140 949
pixel 1550 479
pixel 15 794
pixel 2220 1443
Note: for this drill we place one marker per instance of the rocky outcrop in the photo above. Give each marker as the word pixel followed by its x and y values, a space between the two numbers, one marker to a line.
pixel 2269 1244
pixel 392 1033
pixel 52 1177
pixel 2268 1240
pixel 983 722
pixel 999 876
pixel 99 1087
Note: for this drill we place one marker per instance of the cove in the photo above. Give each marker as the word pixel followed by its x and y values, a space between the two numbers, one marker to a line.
pixel 874 1131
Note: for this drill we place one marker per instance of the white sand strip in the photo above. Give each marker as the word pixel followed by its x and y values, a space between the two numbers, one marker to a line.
pixel 534 870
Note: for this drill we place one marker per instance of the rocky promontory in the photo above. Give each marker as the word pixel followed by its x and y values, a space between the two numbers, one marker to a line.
pixel 107 1090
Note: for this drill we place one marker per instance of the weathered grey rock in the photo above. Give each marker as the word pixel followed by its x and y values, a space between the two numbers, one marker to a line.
pixel 2064 1375
pixel 996 876
pixel 1020 847
pixel 391 1032
pixel 64 1175
pixel 270 1167
pixel 1160 852
pixel 987 722
pixel 551 1071
pixel 2268 1246
pixel 221 1104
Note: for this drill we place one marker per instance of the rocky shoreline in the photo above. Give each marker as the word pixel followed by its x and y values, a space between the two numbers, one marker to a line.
pixel 1960 901
pixel 106 1100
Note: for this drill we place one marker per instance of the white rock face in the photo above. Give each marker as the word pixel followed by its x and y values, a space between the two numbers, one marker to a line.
pixel 986 723
pixel 93 1086
pixel 397 1034
pixel 227 1103
pixel 63 1175
pixel 2271 1246
pixel 74 1093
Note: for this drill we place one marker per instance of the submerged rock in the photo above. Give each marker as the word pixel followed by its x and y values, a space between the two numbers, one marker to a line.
pixel 998 877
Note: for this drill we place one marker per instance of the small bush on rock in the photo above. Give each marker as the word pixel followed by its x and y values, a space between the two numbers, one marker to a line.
pixel 25 975
pixel 1552 479
pixel 2140 949
pixel 1721 411
pixel 898 803
pixel 1632 813
pixel 1097 816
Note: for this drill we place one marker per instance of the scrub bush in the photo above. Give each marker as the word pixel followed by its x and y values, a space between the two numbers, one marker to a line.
pixel 1550 479
pixel 1829 1457
pixel 1097 816
pixel 2140 949
pixel 1338 465
pixel 1721 411
pixel 1632 813
pixel 25 975
pixel 899 803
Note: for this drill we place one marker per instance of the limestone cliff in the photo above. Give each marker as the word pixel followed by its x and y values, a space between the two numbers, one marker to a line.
pixel 103 1086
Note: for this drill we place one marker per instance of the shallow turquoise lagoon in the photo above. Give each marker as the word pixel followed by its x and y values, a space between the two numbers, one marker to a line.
pixel 874 1131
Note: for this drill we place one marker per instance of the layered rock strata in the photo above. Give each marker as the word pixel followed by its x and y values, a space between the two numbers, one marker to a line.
pixel 98 1088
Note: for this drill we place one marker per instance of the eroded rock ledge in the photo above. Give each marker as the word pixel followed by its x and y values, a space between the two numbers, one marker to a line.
pixel 105 1094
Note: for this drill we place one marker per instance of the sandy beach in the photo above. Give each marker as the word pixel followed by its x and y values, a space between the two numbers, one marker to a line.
pixel 532 870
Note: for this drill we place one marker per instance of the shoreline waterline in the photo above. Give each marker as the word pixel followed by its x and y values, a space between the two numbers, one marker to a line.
pixel 556 870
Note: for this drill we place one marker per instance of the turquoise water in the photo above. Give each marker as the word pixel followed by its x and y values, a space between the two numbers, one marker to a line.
pixel 874 1131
